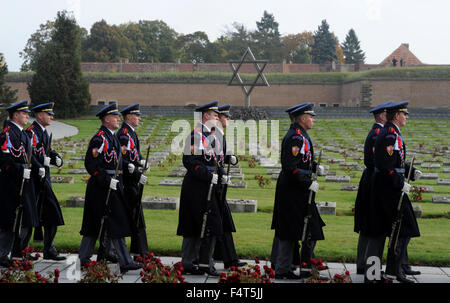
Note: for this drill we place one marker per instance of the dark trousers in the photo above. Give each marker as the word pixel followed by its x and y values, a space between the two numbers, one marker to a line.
pixel 225 249
pixel 401 259
pixel 360 253
pixel 285 255
pixel 6 242
pixel 139 244
pixel 88 244
pixel 374 247
pixel 195 253
pixel 49 236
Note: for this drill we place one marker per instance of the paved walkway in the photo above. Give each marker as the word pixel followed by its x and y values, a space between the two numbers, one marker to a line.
pixel 59 129
pixel 68 269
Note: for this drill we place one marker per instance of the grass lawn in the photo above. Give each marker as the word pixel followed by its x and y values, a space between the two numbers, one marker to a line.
pixel 254 237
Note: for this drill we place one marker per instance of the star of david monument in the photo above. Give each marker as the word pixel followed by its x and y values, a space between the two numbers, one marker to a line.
pixel 236 79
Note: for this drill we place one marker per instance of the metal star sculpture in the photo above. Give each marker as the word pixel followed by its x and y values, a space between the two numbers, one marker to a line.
pixel 243 84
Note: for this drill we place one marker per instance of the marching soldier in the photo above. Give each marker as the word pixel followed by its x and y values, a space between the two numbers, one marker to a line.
pixel 133 179
pixel 387 185
pixel 16 186
pixel 363 195
pixel 225 248
pixel 199 196
pixel 49 211
pixel 101 161
pixel 291 197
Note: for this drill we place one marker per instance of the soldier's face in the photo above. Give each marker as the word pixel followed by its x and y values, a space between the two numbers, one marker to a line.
pixel 211 117
pixel 307 121
pixel 44 119
pixel 112 121
pixel 133 120
pixel 224 120
pixel 21 118
pixel 402 117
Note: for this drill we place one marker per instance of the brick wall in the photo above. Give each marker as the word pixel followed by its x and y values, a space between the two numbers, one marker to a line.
pixel 420 93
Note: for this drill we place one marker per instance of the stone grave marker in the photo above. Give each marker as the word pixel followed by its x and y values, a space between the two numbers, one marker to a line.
pixel 440 199
pixel 342 179
pixel 151 202
pixel 429 176
pixel 242 205
pixel 443 181
pixel 78 172
pixel 75 201
pixel 417 210
pixel 326 208
pixel 171 182
pixel 61 179
pixel 431 165
pixel 349 187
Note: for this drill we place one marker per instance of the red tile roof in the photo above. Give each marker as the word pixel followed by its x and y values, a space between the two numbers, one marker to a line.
pixel 402 52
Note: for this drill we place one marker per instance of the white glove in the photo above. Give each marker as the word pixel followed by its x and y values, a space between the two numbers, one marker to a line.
pixel 224 180
pixel 143 179
pixel 113 184
pixel 143 164
pixel 58 161
pixel 47 161
pixel 233 160
pixel 320 170
pixel 215 178
pixel 41 172
pixel 314 187
pixel 406 187
pixel 26 173
pixel 131 168
pixel 417 174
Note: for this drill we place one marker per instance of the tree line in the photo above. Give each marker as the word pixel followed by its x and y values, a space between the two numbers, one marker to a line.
pixel 55 52
pixel 155 41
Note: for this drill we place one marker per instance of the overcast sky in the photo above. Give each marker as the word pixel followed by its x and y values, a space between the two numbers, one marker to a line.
pixel 381 25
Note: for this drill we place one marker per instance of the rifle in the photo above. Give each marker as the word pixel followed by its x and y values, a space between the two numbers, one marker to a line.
pixel 136 214
pixel 17 226
pixel 38 234
pixel 306 253
pixel 104 219
pixel 395 232
pixel 309 214
pixel 225 186
pixel 140 193
pixel 208 209
pixel 205 240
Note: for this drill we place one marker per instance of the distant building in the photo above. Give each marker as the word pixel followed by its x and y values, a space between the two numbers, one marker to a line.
pixel 402 53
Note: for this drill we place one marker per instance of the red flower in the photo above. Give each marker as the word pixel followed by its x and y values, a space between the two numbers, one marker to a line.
pixel 347 272
pixel 256 260
pixel 303 264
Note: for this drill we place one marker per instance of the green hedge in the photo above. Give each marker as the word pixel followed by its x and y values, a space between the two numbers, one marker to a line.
pixel 403 73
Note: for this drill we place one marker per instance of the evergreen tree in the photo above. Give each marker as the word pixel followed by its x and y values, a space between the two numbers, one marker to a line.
pixel 324 47
pixel 7 95
pixel 267 39
pixel 58 76
pixel 352 51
